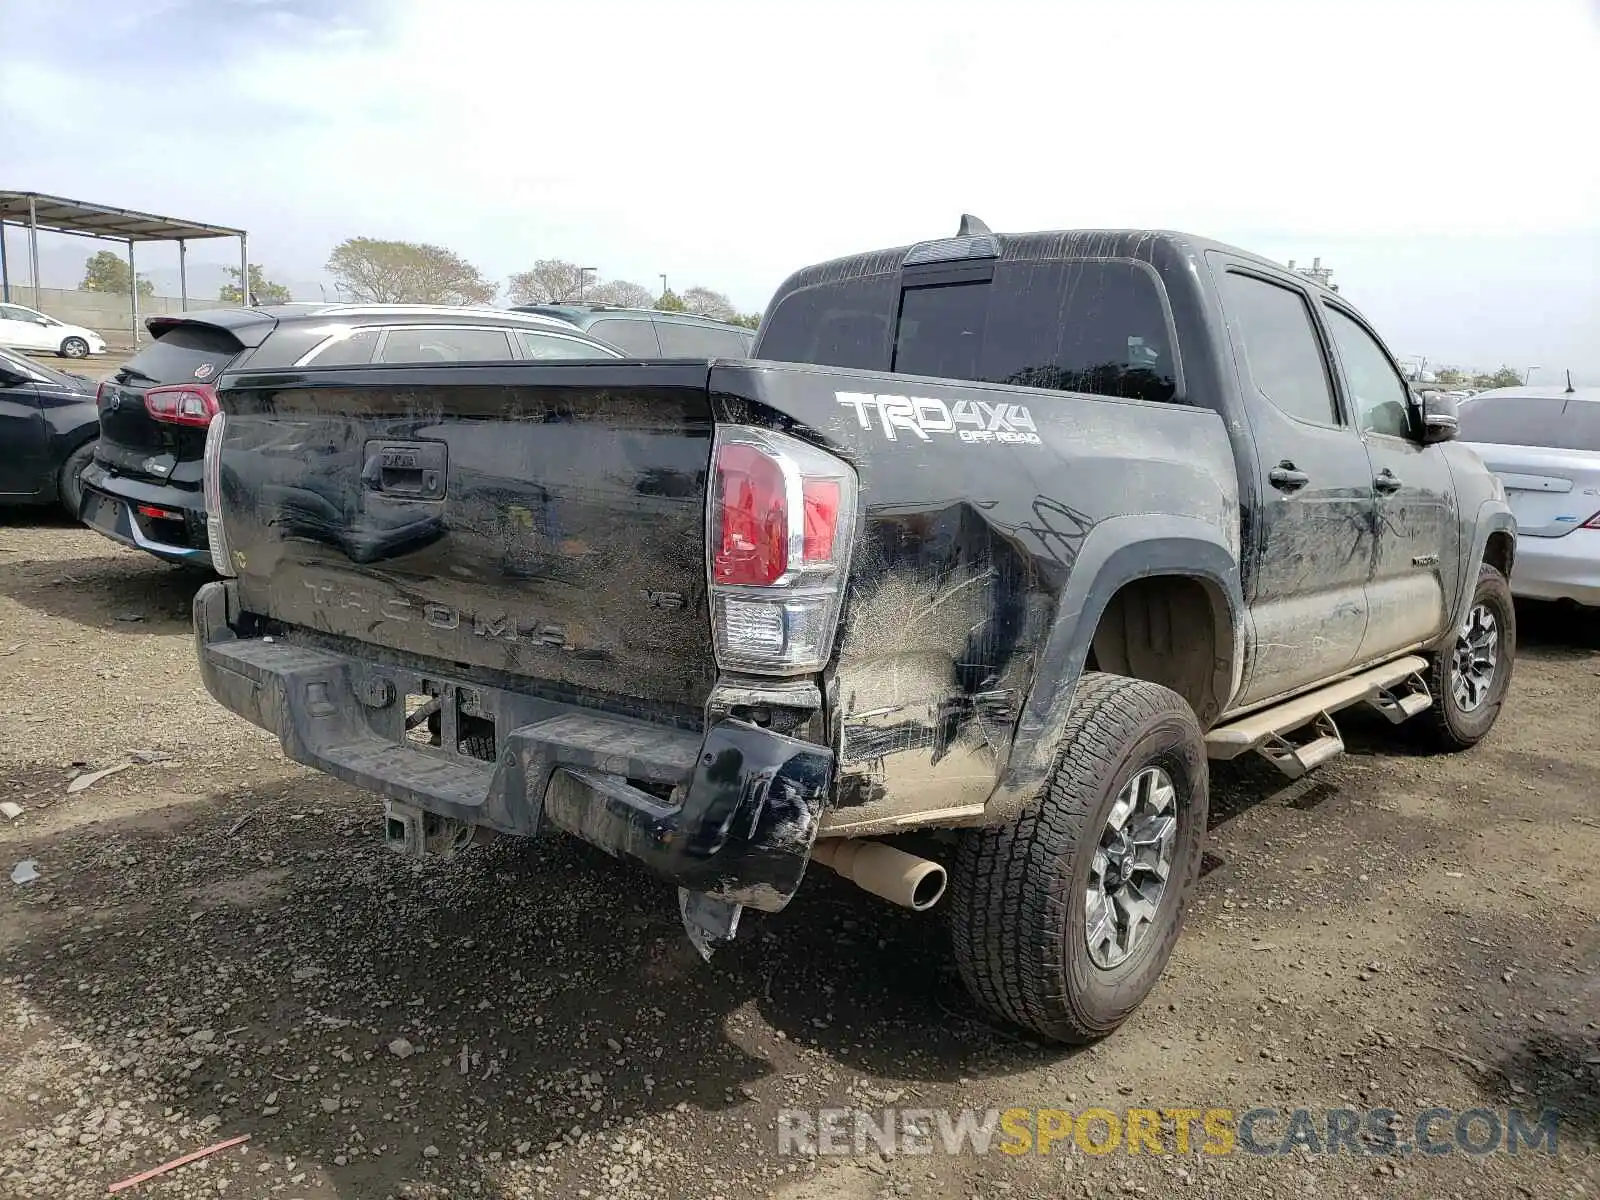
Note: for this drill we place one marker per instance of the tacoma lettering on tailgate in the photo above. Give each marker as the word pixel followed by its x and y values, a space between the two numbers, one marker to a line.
pixel 443 617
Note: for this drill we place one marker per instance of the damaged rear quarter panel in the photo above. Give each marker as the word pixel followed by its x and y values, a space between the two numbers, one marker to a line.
pixel 963 555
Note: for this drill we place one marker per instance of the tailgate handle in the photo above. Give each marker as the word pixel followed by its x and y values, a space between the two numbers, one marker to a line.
pixel 412 470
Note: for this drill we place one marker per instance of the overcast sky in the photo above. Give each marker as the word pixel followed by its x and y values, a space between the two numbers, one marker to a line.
pixel 1439 156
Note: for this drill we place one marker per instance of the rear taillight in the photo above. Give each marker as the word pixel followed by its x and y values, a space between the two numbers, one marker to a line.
pixel 211 482
pixel 182 404
pixel 781 519
pixel 1592 523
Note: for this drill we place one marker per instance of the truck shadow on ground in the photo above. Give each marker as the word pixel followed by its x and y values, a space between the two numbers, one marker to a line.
pixel 262 977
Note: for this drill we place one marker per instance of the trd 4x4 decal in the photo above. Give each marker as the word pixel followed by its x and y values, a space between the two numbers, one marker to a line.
pixel 924 416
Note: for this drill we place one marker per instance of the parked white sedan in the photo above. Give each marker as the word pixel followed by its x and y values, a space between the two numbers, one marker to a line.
pixel 24 329
pixel 1544 444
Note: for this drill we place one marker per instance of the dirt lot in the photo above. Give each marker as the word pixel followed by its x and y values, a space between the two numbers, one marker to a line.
pixel 219 945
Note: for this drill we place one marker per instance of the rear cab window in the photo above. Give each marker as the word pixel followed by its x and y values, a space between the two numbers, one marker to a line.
pixel 1099 326
pixel 181 354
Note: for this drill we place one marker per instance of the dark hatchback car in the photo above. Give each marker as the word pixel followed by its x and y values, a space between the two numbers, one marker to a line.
pixel 143 488
pixel 645 333
pixel 48 426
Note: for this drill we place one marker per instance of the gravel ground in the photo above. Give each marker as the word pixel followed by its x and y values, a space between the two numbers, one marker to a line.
pixel 218 944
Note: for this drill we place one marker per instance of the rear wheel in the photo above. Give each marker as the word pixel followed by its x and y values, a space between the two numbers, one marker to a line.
pixel 74 347
pixel 1063 919
pixel 1469 677
pixel 69 488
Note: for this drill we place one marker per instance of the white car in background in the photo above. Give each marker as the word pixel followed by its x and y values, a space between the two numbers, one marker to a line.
pixel 24 329
pixel 1544 444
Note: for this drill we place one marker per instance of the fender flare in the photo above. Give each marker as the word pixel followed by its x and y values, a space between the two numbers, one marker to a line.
pixel 1494 516
pixel 1116 552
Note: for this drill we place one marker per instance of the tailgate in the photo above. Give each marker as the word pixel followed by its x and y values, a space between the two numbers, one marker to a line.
pixel 546 522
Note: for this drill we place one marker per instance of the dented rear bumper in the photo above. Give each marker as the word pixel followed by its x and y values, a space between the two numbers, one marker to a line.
pixel 730 812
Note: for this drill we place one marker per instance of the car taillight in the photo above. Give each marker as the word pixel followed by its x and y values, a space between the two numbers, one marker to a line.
pixel 781 514
pixel 182 404
pixel 1592 523
pixel 211 483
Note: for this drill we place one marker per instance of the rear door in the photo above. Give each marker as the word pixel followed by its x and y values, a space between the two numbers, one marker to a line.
pixel 24 329
pixel 1417 562
pixel 24 437
pixel 1546 450
pixel 132 442
pixel 1311 539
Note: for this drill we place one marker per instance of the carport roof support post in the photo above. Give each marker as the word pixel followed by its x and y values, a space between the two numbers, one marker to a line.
pixel 133 293
pixel 33 246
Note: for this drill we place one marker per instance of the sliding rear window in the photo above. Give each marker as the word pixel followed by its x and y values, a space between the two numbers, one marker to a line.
pixel 1086 326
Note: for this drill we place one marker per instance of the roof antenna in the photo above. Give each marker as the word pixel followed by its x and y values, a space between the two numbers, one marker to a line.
pixel 1570 389
pixel 972 227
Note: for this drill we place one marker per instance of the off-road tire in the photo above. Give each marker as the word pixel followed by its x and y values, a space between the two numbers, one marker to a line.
pixel 1443 725
pixel 73 347
pixel 1018 890
pixel 69 485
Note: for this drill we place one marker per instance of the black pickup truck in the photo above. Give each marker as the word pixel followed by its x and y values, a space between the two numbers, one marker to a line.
pixel 963 577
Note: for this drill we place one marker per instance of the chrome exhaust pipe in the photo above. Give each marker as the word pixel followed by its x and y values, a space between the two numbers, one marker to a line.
pixel 900 878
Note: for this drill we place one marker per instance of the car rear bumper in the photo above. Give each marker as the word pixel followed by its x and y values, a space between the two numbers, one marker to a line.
pixel 731 812
pixel 1559 568
pixel 112 503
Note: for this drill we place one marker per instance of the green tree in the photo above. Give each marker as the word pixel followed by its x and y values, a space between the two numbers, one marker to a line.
pixel 107 271
pixel 262 289
pixel 748 320
pixel 668 302
pixel 1504 377
pixel 376 271
pixel 1450 376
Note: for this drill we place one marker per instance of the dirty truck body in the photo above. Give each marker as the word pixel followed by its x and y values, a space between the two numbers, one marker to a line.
pixel 996 536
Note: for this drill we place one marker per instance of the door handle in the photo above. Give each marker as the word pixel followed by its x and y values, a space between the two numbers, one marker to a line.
pixel 1286 477
pixel 1387 481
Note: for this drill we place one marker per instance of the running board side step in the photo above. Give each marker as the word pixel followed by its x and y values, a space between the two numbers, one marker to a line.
pixel 1396 689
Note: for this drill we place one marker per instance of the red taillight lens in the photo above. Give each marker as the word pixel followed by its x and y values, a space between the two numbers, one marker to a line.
pixel 1592 523
pixel 753 517
pixel 822 518
pixel 160 514
pixel 182 404
pixel 779 527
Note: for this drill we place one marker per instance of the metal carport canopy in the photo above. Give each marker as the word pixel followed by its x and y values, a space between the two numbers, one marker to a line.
pixel 56 214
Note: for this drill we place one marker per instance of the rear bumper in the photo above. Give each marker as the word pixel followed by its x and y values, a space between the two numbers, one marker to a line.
pixel 744 802
pixel 1559 568
pixel 110 507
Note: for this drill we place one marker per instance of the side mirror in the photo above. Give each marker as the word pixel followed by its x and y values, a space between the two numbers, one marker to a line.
pixel 1440 420
pixel 9 378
